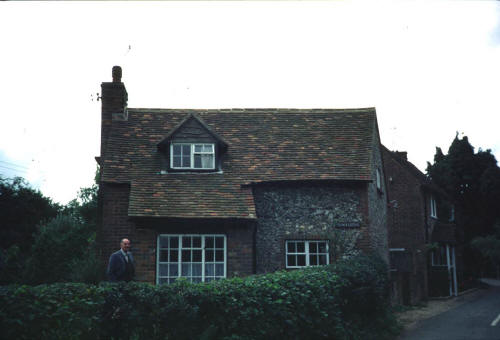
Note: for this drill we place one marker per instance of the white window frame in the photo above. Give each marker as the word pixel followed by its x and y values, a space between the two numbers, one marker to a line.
pixel 306 252
pixel 179 256
pixel 192 154
pixel 433 207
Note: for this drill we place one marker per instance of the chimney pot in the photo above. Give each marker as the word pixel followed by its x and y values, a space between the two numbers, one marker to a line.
pixel 117 74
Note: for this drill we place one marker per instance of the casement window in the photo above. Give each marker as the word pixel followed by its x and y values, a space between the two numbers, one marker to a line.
pixel 439 257
pixel 198 258
pixel 433 207
pixel 306 253
pixel 192 156
pixel 394 258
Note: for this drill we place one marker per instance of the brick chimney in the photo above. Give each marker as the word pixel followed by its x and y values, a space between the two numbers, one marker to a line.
pixel 114 99
pixel 402 155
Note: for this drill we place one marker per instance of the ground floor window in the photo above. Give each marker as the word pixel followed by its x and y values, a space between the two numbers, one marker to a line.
pixel 198 258
pixel 440 256
pixel 306 253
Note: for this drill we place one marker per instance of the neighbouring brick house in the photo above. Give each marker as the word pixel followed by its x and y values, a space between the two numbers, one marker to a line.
pixel 208 194
pixel 424 240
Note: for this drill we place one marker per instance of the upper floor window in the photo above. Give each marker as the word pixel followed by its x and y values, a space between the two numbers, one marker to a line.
pixel 306 253
pixel 433 207
pixel 378 179
pixel 192 156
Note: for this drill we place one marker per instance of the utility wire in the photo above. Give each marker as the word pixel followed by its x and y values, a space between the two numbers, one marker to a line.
pixel 15 165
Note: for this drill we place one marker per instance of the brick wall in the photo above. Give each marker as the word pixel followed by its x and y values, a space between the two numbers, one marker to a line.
pixel 114 221
pixel 407 226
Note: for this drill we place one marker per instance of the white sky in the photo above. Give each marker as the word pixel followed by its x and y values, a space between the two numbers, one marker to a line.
pixel 430 69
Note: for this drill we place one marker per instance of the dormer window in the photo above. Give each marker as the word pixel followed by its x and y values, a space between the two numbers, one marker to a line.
pixel 192 156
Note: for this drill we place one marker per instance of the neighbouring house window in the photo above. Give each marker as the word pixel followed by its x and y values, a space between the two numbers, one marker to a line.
pixel 452 213
pixel 394 255
pixel 192 156
pixel 379 184
pixel 439 257
pixel 433 207
pixel 306 253
pixel 198 258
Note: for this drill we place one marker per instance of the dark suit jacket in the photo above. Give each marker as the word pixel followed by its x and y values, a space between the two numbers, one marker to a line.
pixel 117 267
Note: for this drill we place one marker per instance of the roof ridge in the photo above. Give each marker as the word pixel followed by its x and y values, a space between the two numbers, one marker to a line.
pixel 278 110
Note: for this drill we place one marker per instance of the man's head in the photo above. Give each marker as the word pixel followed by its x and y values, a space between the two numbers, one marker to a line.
pixel 125 244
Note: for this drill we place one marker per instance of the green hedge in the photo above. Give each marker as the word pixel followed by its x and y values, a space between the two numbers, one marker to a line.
pixel 347 300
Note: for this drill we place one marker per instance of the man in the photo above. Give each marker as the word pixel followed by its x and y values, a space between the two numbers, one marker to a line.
pixel 121 263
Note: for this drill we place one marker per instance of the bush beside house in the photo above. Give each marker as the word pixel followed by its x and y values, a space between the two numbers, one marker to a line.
pixel 347 300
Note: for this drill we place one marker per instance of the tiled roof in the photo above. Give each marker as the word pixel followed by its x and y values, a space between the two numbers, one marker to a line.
pixel 263 145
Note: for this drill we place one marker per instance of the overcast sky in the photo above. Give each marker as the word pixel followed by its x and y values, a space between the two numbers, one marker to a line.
pixel 430 69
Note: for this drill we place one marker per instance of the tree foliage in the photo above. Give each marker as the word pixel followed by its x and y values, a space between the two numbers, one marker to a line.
pixel 60 247
pixel 22 208
pixel 473 181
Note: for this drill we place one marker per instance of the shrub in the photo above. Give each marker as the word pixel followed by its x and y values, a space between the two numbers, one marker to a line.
pixel 346 300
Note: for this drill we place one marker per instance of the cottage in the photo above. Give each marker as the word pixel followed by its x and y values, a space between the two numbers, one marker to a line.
pixel 424 239
pixel 209 194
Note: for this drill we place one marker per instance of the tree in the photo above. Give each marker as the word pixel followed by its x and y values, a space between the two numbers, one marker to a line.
pixel 22 208
pixel 489 247
pixel 473 181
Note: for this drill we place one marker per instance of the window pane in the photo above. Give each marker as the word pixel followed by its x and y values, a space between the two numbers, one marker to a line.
pixel 163 242
pixel 186 242
pixel 219 242
pixel 186 150
pixel 219 269
pixel 177 150
pixel 198 147
pixel 186 269
pixel 186 256
pixel 196 279
pixel 209 255
pixel 219 255
pixel 174 242
pixel 207 279
pixel 300 247
pixel 291 260
pixel 301 260
pixel 196 255
pixel 313 260
pixel 209 270
pixel 313 247
pixel 291 247
pixel 172 280
pixel 197 269
pixel 162 280
pixel 186 162
pixel 174 255
pixel 208 148
pixel 163 255
pixel 177 162
pixel 207 161
pixel 209 242
pixel 197 161
pixel 322 247
pixel 174 270
pixel 322 259
pixel 163 268
pixel 196 242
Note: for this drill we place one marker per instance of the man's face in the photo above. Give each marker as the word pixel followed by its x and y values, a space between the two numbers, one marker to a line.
pixel 125 245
